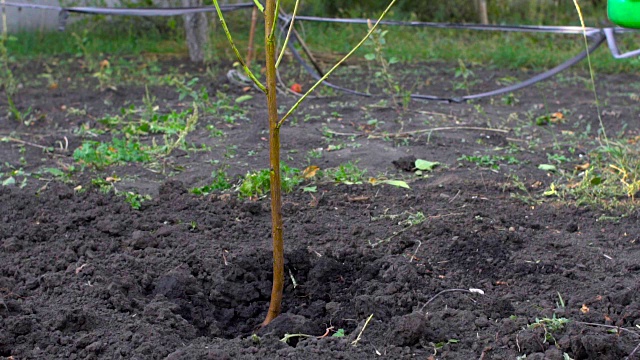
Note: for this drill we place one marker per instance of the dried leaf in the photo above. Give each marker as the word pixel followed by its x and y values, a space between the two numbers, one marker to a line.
pixel 310 171
pixel 583 167
pixel 557 117
pixel 585 309
pixel 104 64
pixel 296 88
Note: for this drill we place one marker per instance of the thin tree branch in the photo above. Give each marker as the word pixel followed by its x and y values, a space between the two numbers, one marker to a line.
pixel 235 49
pixel 322 79
pixel 286 40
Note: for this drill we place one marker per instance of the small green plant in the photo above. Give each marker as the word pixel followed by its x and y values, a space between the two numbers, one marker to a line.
pixel 13 176
pixel 102 154
pixel 550 326
pixel 82 42
pixel 524 195
pixel 220 182
pixel 560 303
pixel 386 80
pixel 56 174
pixel 171 143
pixel 258 183
pixel 557 158
pixel 215 132
pixel 187 89
pixel 466 74
pixel 314 154
pixel 108 184
pixel 135 199
pixel 441 344
pixel 348 174
pixel 489 161
pixel 105 185
pixel 510 99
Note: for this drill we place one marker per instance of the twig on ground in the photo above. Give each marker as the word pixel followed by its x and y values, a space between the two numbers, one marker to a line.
pixel 447 128
pixel 436 114
pixel 471 291
pixel 328 131
pixel 355 342
pixel 415 252
pixel 455 197
pixel 326 333
pixel 484 352
pixel 633 352
pixel 8 138
pixel 608 327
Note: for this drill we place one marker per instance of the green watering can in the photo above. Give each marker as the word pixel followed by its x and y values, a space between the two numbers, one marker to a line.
pixel 625 13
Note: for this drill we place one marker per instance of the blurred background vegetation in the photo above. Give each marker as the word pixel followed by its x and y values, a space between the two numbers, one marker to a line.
pixel 129 36
pixel 498 11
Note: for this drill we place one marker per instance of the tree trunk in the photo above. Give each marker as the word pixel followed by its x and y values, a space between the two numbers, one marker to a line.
pixel 275 306
pixel 482 12
pixel 196 28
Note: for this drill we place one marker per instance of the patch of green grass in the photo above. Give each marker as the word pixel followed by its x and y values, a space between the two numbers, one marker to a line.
pixel 610 180
pixel 102 154
pixel 220 182
pixel 500 50
pixel 174 127
pixel 129 122
pixel 513 51
pixel 101 39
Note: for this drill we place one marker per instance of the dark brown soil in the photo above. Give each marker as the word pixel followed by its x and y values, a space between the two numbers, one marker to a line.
pixel 85 276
